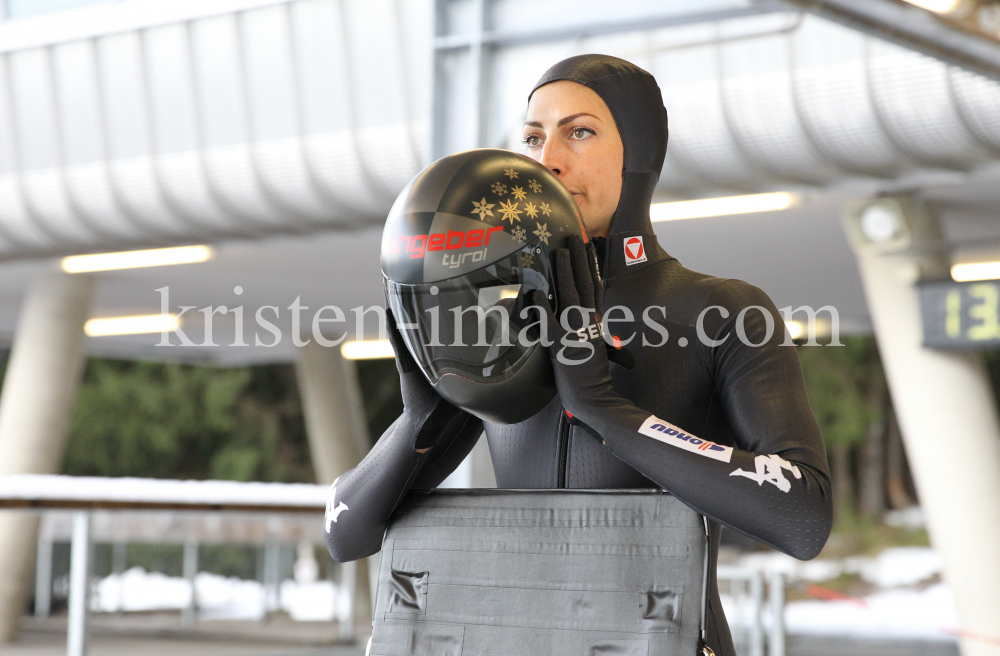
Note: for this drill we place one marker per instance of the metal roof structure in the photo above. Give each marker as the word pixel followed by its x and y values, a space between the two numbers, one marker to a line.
pixel 280 131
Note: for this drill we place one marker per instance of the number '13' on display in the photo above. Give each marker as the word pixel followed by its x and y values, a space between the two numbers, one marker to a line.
pixel 960 315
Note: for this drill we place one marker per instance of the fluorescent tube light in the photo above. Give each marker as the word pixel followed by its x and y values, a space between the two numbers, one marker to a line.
pixel 937 6
pixel 796 329
pixel 367 349
pixel 136 259
pixel 694 209
pixel 975 271
pixel 135 325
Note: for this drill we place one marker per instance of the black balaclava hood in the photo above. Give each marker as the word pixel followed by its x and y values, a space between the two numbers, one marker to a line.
pixel 636 104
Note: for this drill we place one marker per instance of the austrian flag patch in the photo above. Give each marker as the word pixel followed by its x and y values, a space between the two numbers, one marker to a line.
pixel 634 252
pixel 669 434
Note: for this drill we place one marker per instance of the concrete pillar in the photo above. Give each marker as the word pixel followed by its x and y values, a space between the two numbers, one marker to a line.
pixel 38 393
pixel 337 430
pixel 334 412
pixel 947 418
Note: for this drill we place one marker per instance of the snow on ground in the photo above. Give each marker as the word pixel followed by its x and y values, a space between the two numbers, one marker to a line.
pixel 218 597
pixel 907 603
pixel 898 566
pixel 927 614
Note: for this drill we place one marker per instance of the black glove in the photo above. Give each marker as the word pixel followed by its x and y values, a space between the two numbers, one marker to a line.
pixel 422 406
pixel 579 286
pixel 580 354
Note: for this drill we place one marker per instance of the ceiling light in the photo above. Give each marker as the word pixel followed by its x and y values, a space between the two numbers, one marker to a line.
pixel 367 350
pixel 694 209
pixel 937 6
pixel 135 325
pixel 880 224
pixel 975 271
pixel 796 329
pixel 136 259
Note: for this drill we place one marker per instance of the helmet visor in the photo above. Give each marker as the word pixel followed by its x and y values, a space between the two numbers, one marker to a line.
pixel 470 325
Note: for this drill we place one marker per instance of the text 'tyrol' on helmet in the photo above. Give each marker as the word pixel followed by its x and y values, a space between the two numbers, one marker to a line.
pixel 463 245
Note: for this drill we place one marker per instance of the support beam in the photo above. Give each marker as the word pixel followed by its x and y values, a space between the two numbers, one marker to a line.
pixel 272 578
pixel 79 586
pixel 949 427
pixel 912 27
pixel 337 430
pixel 38 393
pixel 349 583
pixel 43 572
pixel 189 616
pixel 776 600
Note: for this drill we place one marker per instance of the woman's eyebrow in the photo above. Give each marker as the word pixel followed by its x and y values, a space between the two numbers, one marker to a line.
pixel 569 119
pixel 563 121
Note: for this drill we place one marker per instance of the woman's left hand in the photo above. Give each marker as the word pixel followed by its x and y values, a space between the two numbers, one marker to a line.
pixel 579 352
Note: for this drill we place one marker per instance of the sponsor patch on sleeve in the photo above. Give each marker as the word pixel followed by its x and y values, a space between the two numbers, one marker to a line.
pixel 767 469
pixel 669 434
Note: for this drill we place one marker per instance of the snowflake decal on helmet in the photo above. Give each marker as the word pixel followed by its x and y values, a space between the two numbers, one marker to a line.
pixel 543 232
pixel 499 188
pixel 509 212
pixel 510 173
pixel 519 193
pixel 527 259
pixel 519 234
pixel 483 209
pixel 535 187
pixel 531 210
pixel 546 209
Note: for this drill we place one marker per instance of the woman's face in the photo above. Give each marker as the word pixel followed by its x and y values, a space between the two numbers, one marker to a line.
pixel 570 131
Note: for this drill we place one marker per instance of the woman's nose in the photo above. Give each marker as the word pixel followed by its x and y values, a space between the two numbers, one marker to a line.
pixel 553 158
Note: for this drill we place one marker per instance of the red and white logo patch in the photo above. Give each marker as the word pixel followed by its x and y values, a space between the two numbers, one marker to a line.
pixel 634 253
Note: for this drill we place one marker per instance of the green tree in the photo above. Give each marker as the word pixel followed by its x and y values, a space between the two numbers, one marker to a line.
pixel 181 421
pixel 846 391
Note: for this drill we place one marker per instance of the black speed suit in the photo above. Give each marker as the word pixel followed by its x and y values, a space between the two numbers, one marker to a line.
pixel 695 367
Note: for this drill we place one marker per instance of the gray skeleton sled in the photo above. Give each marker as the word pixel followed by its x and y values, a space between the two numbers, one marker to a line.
pixel 541 573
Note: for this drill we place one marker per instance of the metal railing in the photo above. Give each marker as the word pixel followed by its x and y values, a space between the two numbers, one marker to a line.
pixel 757 624
pixel 291 510
pixel 254 547
pixel 192 513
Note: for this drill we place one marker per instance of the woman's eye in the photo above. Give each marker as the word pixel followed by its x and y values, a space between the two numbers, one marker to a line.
pixel 532 140
pixel 582 133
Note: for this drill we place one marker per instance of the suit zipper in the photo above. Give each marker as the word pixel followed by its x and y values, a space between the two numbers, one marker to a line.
pixel 564 428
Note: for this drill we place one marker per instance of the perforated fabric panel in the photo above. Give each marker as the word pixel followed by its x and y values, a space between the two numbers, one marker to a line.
pixel 555 572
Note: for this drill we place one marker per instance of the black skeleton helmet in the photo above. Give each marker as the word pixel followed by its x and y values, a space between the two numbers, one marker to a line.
pixel 464 243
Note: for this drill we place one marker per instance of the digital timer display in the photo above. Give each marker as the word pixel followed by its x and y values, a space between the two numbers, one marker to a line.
pixel 961 314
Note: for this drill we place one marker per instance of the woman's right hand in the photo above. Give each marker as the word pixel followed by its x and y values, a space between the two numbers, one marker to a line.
pixel 421 404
